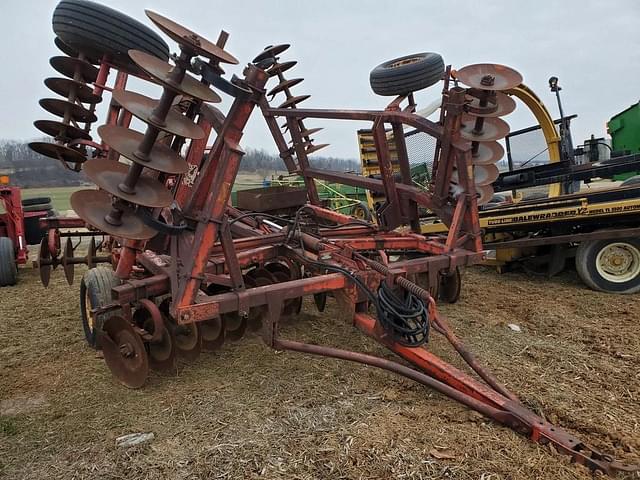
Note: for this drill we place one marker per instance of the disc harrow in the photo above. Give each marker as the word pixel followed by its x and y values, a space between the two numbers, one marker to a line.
pixel 194 272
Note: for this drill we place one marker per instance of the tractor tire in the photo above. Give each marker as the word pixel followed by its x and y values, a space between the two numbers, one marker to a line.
pixel 610 265
pixel 635 180
pixel 8 268
pixel 35 201
pixel 407 74
pixel 97 30
pixel 38 207
pixel 361 211
pixel 95 293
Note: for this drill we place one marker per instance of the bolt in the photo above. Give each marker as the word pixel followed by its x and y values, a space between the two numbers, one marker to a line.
pixel 488 80
pixel 126 350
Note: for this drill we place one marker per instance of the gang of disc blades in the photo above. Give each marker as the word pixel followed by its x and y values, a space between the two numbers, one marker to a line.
pixel 290 102
pixel 492 129
pixel 281 67
pixel 124 352
pixel 185 37
pixel 161 71
pixel 58 152
pixel 57 129
pixel 68 66
pixel 271 52
pixel 284 85
pixel 148 192
pixel 64 87
pixel 504 102
pixel 504 77
pixel 142 107
pixel 126 142
pixel 488 153
pixel 60 107
pixel 94 205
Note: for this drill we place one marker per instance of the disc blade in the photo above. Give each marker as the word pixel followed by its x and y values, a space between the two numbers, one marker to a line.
pixel 315 148
pixel 487 153
pixel 91 254
pixel 161 71
pixel 212 332
pixel 504 103
pixel 66 87
pixel 69 66
pixel 67 265
pixel 281 67
pixel 185 37
pixel 489 76
pixel 44 262
pixel 142 107
pixel 188 341
pixel 320 299
pixel 284 85
pixel 94 205
pixel 492 129
pixel 485 174
pixel 149 192
pixel 162 354
pixel 235 326
pixel 64 48
pixel 61 108
pixel 124 352
pixel 485 193
pixel 60 130
pixel 270 52
pixel 58 152
pixel 290 102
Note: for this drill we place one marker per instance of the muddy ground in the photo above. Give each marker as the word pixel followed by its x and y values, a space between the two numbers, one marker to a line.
pixel 247 412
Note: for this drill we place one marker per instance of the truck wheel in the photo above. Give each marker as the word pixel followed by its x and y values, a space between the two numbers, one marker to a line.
pixel 35 201
pixel 8 269
pixel 95 292
pixel 98 30
pixel 361 211
pixel 610 265
pixel 407 74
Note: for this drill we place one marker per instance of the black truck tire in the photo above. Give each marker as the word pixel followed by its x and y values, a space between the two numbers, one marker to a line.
pixel 610 265
pixel 98 30
pixel 410 73
pixel 8 269
pixel 35 201
pixel 38 207
pixel 95 293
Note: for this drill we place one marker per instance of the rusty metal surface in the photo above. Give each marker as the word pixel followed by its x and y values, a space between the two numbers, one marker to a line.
pixel 58 152
pixel 489 76
pixel 66 87
pixel 271 198
pixel 74 68
pixel 60 130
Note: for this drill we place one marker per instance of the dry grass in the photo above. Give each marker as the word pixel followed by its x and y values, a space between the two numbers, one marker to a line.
pixel 247 412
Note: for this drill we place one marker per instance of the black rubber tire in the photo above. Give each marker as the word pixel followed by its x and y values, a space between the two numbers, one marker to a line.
pixel 635 180
pixel 364 208
pixel 35 201
pixel 98 30
pixel 32 231
pixel 395 77
pixel 8 268
pixel 95 288
pixel 586 258
pixel 40 207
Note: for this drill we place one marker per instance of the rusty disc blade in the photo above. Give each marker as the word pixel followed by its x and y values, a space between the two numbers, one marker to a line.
pixel 290 102
pixel 234 319
pixel 94 205
pixel 67 259
pixel 320 300
pixel 91 254
pixel 187 38
pixel 504 103
pixel 61 108
pixel 308 132
pixel 65 87
pixel 315 148
pixel 124 352
pixel 282 273
pixel 161 71
pixel 44 262
pixel 492 129
pixel 149 192
pixel 162 354
pixel 142 108
pixel 489 76
pixel 281 67
pixel 68 66
pixel 59 130
pixel 488 153
pixel 212 332
pixel 284 85
pixel 258 277
pixel 64 48
pixel 58 152
pixel 485 194
pixel 485 174
pixel 271 51
pixel 188 341
pixel 126 142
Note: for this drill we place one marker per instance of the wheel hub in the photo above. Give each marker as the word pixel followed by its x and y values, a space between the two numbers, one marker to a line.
pixel 618 262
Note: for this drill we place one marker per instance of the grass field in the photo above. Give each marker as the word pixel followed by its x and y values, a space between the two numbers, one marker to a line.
pixel 59 195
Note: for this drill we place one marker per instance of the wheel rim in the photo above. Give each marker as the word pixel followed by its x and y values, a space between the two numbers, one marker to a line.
pixel 88 314
pixel 406 61
pixel 618 262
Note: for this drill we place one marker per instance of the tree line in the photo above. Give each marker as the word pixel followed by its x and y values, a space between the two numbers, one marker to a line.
pixel 29 169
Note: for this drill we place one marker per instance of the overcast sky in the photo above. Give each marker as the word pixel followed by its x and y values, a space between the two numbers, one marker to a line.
pixel 592 46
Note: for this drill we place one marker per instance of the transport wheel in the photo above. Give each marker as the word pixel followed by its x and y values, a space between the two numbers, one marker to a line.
pixel 407 74
pixel 8 268
pixel 361 211
pixel 95 292
pixel 635 180
pixel 35 201
pixel 98 30
pixel 610 265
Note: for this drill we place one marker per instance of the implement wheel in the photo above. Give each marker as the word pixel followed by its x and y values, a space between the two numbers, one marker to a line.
pixel 361 211
pixel 610 265
pixel 95 293
pixel 407 74
pixel 8 269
